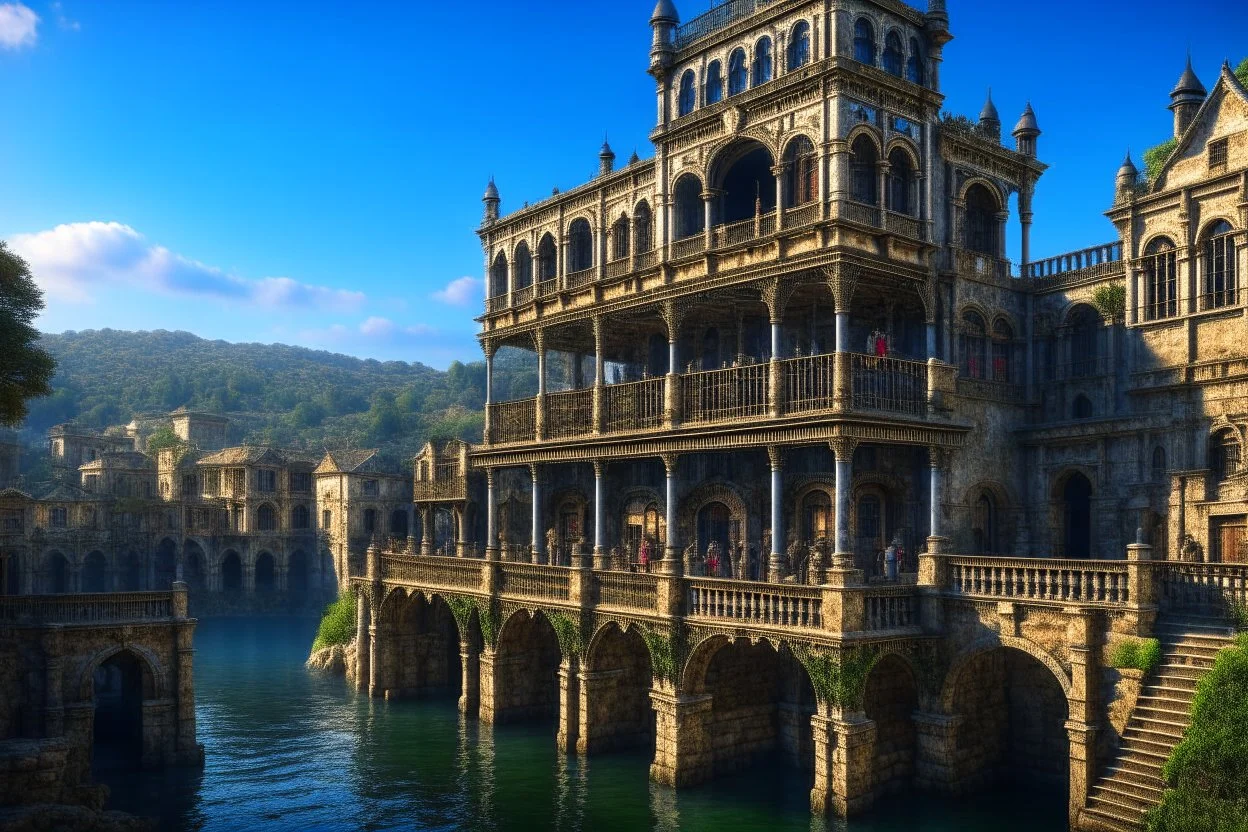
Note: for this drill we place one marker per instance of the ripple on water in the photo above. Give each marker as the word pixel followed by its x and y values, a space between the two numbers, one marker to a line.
pixel 290 751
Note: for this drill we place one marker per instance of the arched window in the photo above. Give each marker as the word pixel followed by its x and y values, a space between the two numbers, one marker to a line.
pixel 299 517
pixel 761 70
pixel 690 218
pixel 370 520
pixel 974 345
pixel 894 56
pixel 1218 285
pixel 1224 454
pixel 688 95
pixel 547 258
pixel 1161 281
pixel 799 46
pixel 864 42
pixel 1159 464
pixel 498 276
pixel 984 525
pixel 900 182
pixel 914 64
pixel 1082 407
pixel 580 246
pixel 863 164
pixel 1085 341
pixel 745 181
pixel 522 268
pixel 1002 346
pixel 714 83
pixel 802 172
pixel 266 518
pixel 981 220
pixel 738 76
pixel 619 239
pixel 643 234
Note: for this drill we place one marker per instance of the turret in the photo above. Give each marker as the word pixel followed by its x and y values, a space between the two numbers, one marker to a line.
pixel 491 201
pixel 663 22
pixel 989 121
pixel 936 26
pixel 1185 99
pixel 606 159
pixel 1026 132
pixel 1124 182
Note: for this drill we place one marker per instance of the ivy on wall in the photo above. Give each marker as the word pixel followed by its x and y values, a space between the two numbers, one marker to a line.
pixel 568 632
pixel 662 654
pixel 1155 158
pixel 1111 300
pixel 839 678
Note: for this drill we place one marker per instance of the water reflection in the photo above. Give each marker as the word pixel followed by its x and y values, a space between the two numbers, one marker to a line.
pixel 288 750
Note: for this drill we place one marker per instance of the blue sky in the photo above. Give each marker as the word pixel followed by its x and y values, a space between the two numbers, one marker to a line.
pixel 311 173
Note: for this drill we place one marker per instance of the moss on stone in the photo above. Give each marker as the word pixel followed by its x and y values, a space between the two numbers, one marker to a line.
pixel 1136 654
pixel 337 623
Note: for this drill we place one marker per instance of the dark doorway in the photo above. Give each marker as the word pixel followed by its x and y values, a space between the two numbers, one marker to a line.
pixel 231 573
pixel 118 728
pixel 95 573
pixel 166 564
pixel 1077 508
pixel 266 577
pixel 715 526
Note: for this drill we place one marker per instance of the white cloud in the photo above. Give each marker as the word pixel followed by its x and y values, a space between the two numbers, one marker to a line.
pixel 74 261
pixel 462 291
pixel 63 21
pixel 18 26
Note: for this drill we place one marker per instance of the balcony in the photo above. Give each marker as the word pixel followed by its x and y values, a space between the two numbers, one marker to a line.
pixel 441 489
pixel 808 384
pixel 1075 267
pixel 978 264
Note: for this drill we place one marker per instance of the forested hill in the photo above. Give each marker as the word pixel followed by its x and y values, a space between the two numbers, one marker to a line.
pixel 274 393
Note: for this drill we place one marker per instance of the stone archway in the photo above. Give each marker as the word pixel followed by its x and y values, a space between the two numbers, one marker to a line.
pixel 523 683
pixel 615 692
pixel 231 572
pixel 712 492
pixel 890 698
pixel 119 683
pixel 1008 705
pixel 761 701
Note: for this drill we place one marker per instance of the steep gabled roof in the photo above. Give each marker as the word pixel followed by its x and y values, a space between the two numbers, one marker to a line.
pixel 1227 84
pixel 362 461
pixel 257 455
pixel 13 494
pixel 65 493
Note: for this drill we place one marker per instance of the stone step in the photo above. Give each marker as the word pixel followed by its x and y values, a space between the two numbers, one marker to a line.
pixel 1146 751
pixel 1167 685
pixel 1122 774
pixel 1152 743
pixel 1215 623
pixel 1153 732
pixel 1169 669
pixel 1141 797
pixel 1111 821
pixel 1118 806
pixel 1164 719
pixel 1211 641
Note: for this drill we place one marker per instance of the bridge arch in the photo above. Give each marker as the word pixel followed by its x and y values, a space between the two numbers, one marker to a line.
pixel 891 695
pixel 525 671
pixel 615 691
pixel 1009 700
pixel 761 701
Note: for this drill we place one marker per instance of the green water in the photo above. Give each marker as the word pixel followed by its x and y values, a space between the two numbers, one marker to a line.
pixel 290 750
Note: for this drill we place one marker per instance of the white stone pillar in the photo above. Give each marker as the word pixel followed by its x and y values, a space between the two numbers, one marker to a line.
pixel 671 564
pixel 600 551
pixel 775 565
pixel 843 448
pixel 536 545
pixel 491 517
pixel 937 484
pixel 931 339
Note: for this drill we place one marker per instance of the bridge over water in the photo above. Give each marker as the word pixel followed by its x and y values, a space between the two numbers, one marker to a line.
pixel 974 669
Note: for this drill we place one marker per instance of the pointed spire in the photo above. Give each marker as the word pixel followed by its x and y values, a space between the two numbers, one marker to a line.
pixel 990 110
pixel 1128 168
pixel 606 157
pixel 491 190
pixel 1188 83
pixel 634 158
pixel 665 10
pixel 1027 122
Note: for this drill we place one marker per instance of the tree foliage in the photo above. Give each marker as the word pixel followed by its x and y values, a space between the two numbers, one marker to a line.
pixel 1208 769
pixel 1155 158
pixel 1241 72
pixel 337 624
pixel 25 369
pixel 1110 300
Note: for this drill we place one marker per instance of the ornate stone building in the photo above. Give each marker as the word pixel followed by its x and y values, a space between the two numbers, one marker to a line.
pixel 797 323
pixel 245 526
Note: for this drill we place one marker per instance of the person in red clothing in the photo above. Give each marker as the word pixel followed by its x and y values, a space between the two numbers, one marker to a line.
pixel 643 555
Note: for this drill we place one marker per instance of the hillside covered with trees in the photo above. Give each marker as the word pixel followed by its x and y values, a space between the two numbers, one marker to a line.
pixel 275 394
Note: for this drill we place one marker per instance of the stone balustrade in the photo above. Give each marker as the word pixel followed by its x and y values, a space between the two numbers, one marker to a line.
pixel 532 580
pixel 92 608
pixel 432 571
pixel 1038 579
pixel 627 590
pixel 890 608
pixel 756 603
pixel 1213 585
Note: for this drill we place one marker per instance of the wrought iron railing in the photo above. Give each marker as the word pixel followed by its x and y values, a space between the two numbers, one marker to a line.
pixel 532 580
pixel 978 264
pixel 547 288
pixel 891 384
pixel 444 488
pixel 724 394
pixel 618 268
pixel 647 259
pixel 634 405
pixel 808 383
pixel 627 590
pixel 569 413
pixel 802 215
pixel 523 295
pixel 514 421
pixel 859 212
pixel 688 246
pixel 717 18
pixel 1216 586
pixel 579 278
pixel 432 570
pixel 905 225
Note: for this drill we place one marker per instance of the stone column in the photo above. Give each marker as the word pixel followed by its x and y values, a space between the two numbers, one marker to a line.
pixel 488 688
pixel 672 317
pixel 375 682
pixel 844 763
pixel 842 280
pixel 775 374
pixel 1142 589
pixel 1085 672
pixel 708 197
pixel 600 379
pixel 53 699
pixel 426 530
pixel 682 749
pixel 778 172
pixel 539 404
pixel 489 382
pixel 775 563
pixel 935 767
pixel 569 705
pixel 843 448
pixel 936 460
pixel 601 558
pixel 672 561
pixel 535 547
pixel 491 517
pixel 470 688
pixel 363 641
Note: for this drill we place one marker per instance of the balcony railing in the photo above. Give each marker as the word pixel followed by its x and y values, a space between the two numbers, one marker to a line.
pixel 802 215
pixel 532 580
pixel 635 405
pixel 548 288
pixel 688 246
pixel 647 259
pixel 1217 586
pixel 443 488
pixel 732 393
pixel 891 384
pixel 579 278
pixel 775 604
pixel 627 590
pixel 890 608
pixel 859 212
pixel 514 421
pixel 1039 579
pixel 569 413
pixel 523 295
pixel 86 608
pixel 1073 265
pixel 720 17
pixel 982 265
pixel 744 230
pixel 432 570
pixel 905 225
pixel 808 383
pixel 618 268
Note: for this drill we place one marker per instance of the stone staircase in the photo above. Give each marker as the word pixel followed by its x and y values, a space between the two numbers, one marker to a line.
pixel 1131 784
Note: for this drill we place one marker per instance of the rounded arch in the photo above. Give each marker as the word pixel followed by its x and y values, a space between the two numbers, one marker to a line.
pixel 705 494
pixel 522 265
pixel 1215 226
pixel 991 189
pixel 56 568
pixel 620 237
pixel 498 275
pixel 154 671
pixel 891 695
pixel 865 150
pixel 893 58
pixel 859 131
pixel 864 41
pixel 738 72
pixel 761 65
pixel 742 171
pixel 619 698
pixel 526 685
pixel 900 144
pixel 547 257
pixel 643 227
pixel 713 88
pixel 687 95
pixel 798 54
pixel 915 63
pixel 689 219
pixel 801 170
pixel 266 517
pixel 1225 451
pixel 580 236
pixel 231 571
pixel 962 660
pixel 265 572
pixel 95 572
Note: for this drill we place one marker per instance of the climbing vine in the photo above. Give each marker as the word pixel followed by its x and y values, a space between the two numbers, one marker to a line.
pixel 568 632
pixel 1110 300
pixel 461 611
pixel 491 620
pixel 839 680
pixel 662 654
